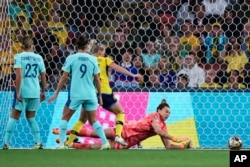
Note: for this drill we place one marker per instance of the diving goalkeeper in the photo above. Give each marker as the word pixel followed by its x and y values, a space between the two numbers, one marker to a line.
pixel 136 131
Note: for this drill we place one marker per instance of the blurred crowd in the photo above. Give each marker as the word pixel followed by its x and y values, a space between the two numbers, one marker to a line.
pixel 172 43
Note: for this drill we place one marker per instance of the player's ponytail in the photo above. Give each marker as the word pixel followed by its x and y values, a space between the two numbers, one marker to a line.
pixel 97 47
pixel 162 105
pixel 92 43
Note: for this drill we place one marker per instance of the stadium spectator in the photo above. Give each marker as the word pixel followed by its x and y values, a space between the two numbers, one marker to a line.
pixel 6 57
pixel 146 22
pixel 195 74
pixel 56 27
pixel 182 81
pixel 214 9
pixel 246 39
pixel 129 31
pixel 235 57
pixel 149 55
pixel 234 81
pixel 122 79
pixel 44 39
pixel 222 75
pixel 230 24
pixel 210 80
pixel 214 43
pixel 154 79
pixel 242 9
pixel 119 42
pixel 4 19
pixel 16 37
pixel 21 22
pixel 246 75
pixel 137 131
pixel 138 64
pixel 167 75
pixel 20 7
pixel 200 21
pixel 54 61
pixel 175 58
pixel 171 6
pixel 29 93
pixel 41 10
pixel 163 41
pixel 184 12
pixel 188 39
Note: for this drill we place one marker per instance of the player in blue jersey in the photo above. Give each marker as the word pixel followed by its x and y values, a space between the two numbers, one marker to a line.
pixel 28 93
pixel 81 68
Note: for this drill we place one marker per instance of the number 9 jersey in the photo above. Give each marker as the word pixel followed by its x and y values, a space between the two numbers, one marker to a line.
pixel 81 68
pixel 32 66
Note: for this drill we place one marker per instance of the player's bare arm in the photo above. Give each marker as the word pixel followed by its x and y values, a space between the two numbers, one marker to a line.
pixel 165 135
pixel 120 69
pixel 18 72
pixel 43 86
pixel 170 145
pixel 159 131
pixel 63 80
pixel 98 87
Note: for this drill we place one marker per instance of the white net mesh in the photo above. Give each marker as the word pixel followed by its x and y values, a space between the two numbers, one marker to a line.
pixel 193 53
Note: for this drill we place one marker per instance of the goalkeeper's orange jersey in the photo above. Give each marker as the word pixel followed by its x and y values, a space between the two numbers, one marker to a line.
pixel 135 132
pixel 104 63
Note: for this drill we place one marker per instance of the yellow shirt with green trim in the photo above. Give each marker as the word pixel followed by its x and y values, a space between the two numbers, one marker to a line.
pixel 104 63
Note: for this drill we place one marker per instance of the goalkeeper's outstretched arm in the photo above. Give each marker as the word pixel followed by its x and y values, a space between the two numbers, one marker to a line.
pixel 185 144
pixel 168 140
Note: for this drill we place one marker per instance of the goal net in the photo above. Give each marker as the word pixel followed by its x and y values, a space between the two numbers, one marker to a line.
pixel 195 54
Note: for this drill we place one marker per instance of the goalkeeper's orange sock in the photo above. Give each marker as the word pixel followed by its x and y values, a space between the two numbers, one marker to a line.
pixel 81 146
pixel 85 132
pixel 119 124
pixel 74 132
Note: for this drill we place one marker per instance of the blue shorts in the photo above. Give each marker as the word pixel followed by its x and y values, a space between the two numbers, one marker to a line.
pixel 27 104
pixel 87 105
pixel 108 100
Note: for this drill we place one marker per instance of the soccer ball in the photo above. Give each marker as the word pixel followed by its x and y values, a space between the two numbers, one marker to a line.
pixel 234 143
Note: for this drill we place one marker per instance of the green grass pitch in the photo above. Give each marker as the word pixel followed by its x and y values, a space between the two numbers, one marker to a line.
pixel 116 158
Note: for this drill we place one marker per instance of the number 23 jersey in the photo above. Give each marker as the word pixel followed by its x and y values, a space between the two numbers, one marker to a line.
pixel 32 66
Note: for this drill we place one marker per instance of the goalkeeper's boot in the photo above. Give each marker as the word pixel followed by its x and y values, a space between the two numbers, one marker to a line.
pixel 120 141
pixel 38 146
pixel 6 147
pixel 55 131
pixel 76 140
pixel 105 146
pixel 187 144
pixel 62 147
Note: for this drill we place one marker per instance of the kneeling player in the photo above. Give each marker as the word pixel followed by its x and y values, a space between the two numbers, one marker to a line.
pixel 136 131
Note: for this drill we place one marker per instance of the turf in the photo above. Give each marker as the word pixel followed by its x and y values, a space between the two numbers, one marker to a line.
pixel 117 158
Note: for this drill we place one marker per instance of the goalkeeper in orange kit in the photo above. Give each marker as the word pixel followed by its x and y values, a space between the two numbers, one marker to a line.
pixel 136 131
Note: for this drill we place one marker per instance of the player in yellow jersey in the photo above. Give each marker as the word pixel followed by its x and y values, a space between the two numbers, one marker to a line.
pixel 110 103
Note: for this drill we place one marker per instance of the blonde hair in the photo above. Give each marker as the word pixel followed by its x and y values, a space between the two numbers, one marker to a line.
pixel 97 47
pixel 27 42
pixel 90 45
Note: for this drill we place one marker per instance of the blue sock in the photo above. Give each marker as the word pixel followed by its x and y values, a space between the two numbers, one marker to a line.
pixel 100 132
pixel 34 129
pixel 9 130
pixel 62 130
